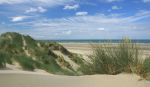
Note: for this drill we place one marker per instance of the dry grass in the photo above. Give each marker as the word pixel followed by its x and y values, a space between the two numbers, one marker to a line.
pixel 110 59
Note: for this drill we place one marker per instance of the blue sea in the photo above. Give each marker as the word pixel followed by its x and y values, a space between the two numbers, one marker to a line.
pixel 147 41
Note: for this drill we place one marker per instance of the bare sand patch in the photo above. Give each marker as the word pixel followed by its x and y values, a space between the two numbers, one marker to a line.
pixel 30 79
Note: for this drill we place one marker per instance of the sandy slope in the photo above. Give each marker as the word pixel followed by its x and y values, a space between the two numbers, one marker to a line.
pixel 67 59
pixel 30 79
pixel 24 47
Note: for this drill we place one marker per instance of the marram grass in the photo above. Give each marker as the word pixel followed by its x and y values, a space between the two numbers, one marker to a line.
pixel 114 59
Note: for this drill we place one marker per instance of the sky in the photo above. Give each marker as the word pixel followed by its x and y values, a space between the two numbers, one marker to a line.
pixel 76 19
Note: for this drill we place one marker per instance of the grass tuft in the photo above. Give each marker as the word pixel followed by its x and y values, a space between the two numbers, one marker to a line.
pixel 113 59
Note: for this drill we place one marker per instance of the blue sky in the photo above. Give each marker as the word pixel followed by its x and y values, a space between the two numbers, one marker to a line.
pixel 76 19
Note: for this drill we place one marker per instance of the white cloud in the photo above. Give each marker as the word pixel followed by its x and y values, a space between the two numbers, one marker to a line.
pixel 113 0
pixel 109 1
pixel 82 13
pixel 87 27
pixel 146 1
pixel 140 15
pixel 101 29
pixel 68 32
pixel 48 3
pixel 115 7
pixel 71 7
pixel 18 18
pixel 41 9
pixel 12 1
pixel 38 9
pixel 31 10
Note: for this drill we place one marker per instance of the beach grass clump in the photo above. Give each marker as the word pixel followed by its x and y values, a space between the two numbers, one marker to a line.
pixel 31 43
pixel 26 62
pixel 113 59
pixel 3 57
pixel 146 68
pixel 77 59
pixel 146 65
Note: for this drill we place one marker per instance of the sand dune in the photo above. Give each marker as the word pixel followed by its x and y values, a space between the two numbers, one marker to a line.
pixel 30 79
pixel 16 78
pixel 66 58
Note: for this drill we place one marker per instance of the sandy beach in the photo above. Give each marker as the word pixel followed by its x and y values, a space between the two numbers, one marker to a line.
pixel 31 79
pixel 86 48
pixel 14 78
pixel 74 43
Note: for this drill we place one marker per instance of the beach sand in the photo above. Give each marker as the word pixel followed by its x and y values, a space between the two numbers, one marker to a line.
pixel 31 79
pixel 15 78
pixel 86 48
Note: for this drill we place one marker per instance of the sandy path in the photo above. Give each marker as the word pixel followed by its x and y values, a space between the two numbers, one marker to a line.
pixel 24 47
pixel 41 80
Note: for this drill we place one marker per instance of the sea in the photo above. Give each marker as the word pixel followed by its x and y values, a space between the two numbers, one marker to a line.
pixel 141 41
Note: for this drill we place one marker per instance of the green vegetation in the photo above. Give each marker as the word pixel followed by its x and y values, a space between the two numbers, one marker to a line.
pixel 146 65
pixel 56 46
pixel 112 59
pixel 77 59
pixel 106 58
pixel 31 54
pixel 3 58
pixel 146 68
pixel 26 62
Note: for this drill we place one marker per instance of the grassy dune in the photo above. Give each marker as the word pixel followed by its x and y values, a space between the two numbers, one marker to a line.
pixel 125 57
pixel 31 54
pixel 105 59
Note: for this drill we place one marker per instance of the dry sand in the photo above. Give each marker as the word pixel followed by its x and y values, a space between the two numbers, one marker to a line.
pixel 85 48
pixel 16 78
pixel 80 48
pixel 30 79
